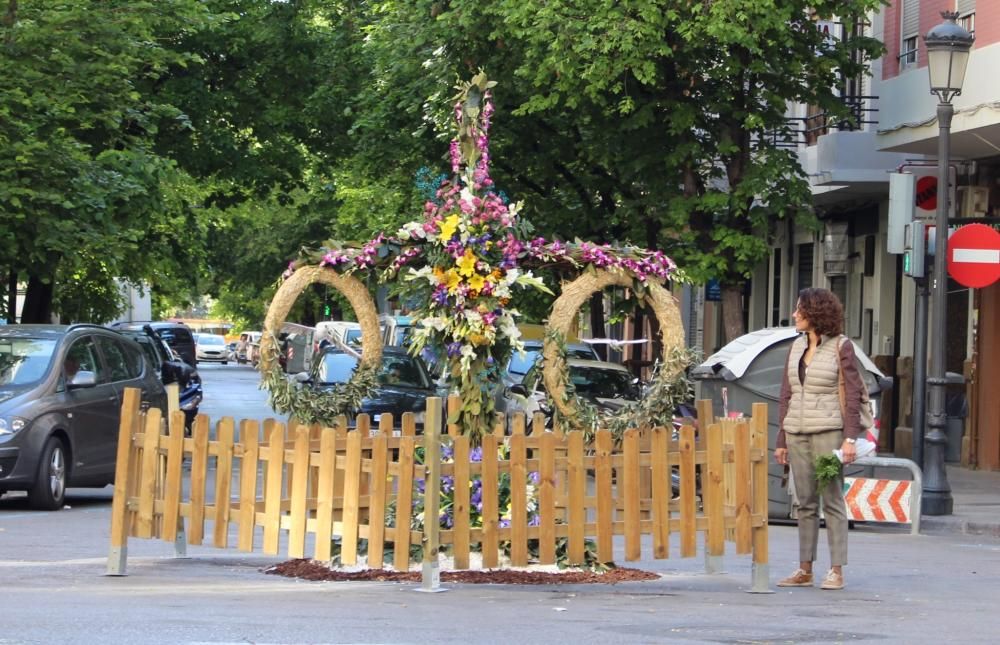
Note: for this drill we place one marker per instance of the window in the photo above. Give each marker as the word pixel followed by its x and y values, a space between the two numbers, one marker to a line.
pixel 805 267
pixel 82 357
pixel 968 22
pixel 118 362
pixel 909 27
pixel 908 53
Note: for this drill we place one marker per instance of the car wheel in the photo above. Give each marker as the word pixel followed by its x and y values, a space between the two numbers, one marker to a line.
pixel 49 491
pixel 225 362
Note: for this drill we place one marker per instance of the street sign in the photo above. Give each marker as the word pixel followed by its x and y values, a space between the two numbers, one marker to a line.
pixel 974 255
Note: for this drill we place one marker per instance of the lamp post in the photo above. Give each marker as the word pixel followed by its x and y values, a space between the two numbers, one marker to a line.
pixel 948 47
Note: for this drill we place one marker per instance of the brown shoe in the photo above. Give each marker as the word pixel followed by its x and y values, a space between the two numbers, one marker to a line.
pixel 798 579
pixel 833 581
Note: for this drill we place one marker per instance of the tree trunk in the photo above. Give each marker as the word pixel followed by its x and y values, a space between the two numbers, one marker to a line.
pixel 37 301
pixel 732 311
pixel 12 297
pixel 597 323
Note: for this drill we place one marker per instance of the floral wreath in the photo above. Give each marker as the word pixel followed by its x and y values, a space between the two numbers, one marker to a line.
pixel 462 263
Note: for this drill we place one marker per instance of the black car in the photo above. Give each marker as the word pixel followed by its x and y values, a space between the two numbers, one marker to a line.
pixel 404 382
pixel 61 390
pixel 178 335
pixel 171 369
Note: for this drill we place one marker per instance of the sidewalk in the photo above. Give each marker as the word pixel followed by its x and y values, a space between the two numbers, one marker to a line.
pixel 976 511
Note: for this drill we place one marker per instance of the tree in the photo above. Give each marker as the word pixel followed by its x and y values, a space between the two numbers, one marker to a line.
pixel 79 181
pixel 653 119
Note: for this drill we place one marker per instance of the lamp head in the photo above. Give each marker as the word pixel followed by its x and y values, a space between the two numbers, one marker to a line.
pixel 948 46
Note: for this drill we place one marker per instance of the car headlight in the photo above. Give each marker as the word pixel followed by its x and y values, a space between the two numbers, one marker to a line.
pixel 12 425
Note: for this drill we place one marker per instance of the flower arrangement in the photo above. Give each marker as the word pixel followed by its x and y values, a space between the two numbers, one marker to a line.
pixel 463 261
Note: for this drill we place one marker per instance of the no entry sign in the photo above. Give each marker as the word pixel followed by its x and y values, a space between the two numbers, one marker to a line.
pixel 974 255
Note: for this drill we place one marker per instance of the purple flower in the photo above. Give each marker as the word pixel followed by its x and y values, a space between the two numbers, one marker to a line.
pixel 476 455
pixel 446 520
pixel 454 349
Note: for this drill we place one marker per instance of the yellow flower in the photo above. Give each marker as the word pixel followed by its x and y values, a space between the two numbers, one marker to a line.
pixel 467 263
pixel 476 282
pixel 440 275
pixel 449 226
pixel 452 280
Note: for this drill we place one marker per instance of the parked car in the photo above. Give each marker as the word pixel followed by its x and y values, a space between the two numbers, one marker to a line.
pixel 607 385
pixel 396 330
pixel 519 365
pixel 212 347
pixel 61 391
pixel 171 369
pixel 178 335
pixel 404 382
pixel 337 333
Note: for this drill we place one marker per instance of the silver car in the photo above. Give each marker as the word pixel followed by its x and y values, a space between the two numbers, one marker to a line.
pixel 61 390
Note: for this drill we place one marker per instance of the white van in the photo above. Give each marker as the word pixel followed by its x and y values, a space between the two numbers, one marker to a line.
pixel 338 333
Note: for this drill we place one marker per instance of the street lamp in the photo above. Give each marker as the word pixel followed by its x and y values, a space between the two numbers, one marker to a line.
pixel 948 47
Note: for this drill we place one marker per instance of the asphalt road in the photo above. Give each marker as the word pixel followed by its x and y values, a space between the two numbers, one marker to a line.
pixel 901 588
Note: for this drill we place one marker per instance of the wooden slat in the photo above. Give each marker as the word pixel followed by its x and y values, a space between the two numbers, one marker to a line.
pixel 577 512
pixel 711 487
pixel 273 486
pixel 758 441
pixel 175 472
pixel 454 405
pixel 490 503
pixel 250 439
pixel 547 498
pixel 404 501
pixel 376 514
pixel 605 500
pixel 629 483
pixel 199 477
pixel 460 507
pixel 688 507
pixel 662 491
pixel 223 481
pixel 128 425
pixel 147 474
pixel 729 475
pixel 518 498
pixel 408 425
pixel 742 483
pixel 352 491
pixel 324 494
pixel 299 494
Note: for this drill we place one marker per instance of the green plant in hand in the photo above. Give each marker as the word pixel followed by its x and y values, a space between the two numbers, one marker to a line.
pixel 827 469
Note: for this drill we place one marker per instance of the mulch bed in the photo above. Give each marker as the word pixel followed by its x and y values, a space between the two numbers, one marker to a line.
pixel 312 570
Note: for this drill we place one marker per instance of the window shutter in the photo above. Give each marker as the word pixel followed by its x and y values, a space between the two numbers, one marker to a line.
pixel 965 7
pixel 911 18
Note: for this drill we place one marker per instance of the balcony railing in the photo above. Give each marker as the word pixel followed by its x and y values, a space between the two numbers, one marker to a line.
pixel 804 131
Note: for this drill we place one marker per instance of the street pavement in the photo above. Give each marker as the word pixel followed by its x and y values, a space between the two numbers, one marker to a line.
pixel 937 587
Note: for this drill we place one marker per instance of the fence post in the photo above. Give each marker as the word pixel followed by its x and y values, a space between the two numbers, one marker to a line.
pixel 430 572
pixel 760 576
pixel 119 504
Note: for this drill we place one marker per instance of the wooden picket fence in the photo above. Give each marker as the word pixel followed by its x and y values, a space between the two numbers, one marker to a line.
pixel 322 491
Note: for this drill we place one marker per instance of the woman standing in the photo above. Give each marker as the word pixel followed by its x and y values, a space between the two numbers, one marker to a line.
pixel 812 423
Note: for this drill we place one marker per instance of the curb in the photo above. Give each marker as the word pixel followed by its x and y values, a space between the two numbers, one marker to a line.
pixel 940 525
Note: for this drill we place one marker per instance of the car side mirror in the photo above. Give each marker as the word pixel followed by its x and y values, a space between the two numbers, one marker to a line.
pixel 82 379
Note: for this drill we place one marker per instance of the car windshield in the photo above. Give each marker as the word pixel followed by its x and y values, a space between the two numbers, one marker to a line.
pixel 519 365
pixel 24 360
pixel 400 371
pixel 206 339
pixel 602 383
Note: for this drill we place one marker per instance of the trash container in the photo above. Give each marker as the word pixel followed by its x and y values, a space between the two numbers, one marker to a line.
pixel 748 370
pixel 956 408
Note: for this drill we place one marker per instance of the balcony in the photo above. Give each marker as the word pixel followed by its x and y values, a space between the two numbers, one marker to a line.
pixel 806 130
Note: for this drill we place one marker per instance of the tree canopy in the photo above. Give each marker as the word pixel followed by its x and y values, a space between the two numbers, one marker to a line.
pixel 198 145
